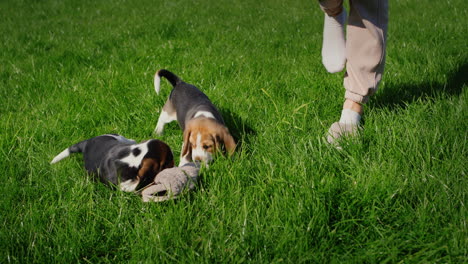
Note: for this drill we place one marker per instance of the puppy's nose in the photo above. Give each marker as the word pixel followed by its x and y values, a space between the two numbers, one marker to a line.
pixel 197 158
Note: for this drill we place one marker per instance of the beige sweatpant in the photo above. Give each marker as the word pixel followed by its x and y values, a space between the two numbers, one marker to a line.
pixel 365 45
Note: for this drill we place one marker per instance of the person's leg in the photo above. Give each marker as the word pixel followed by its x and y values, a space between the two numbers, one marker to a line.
pixel 365 49
pixel 365 53
pixel 334 44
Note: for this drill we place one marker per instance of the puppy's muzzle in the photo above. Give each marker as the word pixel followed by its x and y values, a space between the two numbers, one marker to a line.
pixel 205 157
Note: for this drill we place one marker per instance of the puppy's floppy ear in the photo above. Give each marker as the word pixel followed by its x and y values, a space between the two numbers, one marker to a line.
pixel 167 159
pixel 187 146
pixel 228 140
pixel 147 165
pixel 148 170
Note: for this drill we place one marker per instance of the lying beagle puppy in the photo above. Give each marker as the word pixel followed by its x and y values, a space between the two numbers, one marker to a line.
pixel 122 162
pixel 203 125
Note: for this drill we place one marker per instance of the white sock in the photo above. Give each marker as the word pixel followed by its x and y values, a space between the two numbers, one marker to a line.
pixel 334 43
pixel 350 117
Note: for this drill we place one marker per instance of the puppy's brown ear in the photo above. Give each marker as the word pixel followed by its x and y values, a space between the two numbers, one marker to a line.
pixel 229 142
pixel 186 144
pixel 167 159
pixel 148 170
pixel 147 166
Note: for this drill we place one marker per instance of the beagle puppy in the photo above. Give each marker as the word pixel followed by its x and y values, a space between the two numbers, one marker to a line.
pixel 122 162
pixel 203 125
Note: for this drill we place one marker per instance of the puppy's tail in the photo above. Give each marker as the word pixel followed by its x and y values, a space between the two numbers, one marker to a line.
pixel 78 147
pixel 171 77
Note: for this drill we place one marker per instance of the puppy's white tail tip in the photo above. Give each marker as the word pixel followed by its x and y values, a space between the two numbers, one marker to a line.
pixel 157 82
pixel 61 156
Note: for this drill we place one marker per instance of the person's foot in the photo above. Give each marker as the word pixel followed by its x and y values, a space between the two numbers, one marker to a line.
pixel 348 124
pixel 334 43
pixel 339 130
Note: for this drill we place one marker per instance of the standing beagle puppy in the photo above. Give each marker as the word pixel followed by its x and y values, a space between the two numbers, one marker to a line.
pixel 121 161
pixel 203 125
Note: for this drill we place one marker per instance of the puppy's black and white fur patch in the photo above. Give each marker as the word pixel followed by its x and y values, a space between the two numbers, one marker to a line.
pixel 122 162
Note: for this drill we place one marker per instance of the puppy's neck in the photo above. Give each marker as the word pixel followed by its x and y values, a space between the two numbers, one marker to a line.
pixel 204 114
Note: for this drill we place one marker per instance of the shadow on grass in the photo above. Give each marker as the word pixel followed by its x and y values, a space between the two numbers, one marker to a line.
pixel 239 129
pixel 394 96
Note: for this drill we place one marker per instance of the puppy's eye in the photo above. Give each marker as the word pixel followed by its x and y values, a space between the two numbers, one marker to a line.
pixel 206 147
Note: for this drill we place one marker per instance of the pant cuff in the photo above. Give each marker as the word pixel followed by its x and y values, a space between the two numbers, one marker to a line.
pixel 356 97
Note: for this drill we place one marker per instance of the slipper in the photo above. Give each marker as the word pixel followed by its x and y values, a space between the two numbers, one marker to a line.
pixel 170 183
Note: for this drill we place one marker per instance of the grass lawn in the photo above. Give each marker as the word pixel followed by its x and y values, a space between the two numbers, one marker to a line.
pixel 71 70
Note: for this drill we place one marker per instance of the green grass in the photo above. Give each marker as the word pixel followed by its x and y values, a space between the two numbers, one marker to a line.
pixel 71 70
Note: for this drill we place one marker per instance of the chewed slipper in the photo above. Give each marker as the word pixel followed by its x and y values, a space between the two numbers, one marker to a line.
pixel 170 183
